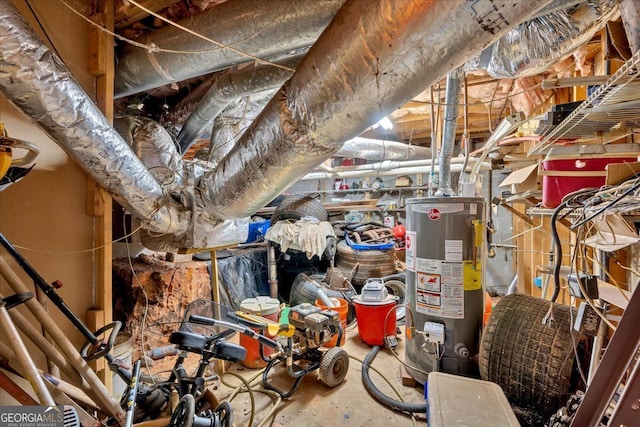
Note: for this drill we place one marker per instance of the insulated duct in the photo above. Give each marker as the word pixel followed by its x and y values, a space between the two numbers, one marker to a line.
pixel 452 97
pixel 373 57
pixel 630 14
pixel 378 149
pixel 36 81
pixel 233 121
pixel 231 124
pixel 227 88
pixel 531 47
pixel 260 28
pixel 154 146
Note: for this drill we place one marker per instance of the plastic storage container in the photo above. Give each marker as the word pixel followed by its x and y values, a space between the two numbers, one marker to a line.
pixel 262 306
pixel 455 401
pixel 257 230
pixel 570 168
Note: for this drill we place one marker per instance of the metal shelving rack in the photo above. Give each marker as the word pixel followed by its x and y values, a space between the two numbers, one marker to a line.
pixel 614 102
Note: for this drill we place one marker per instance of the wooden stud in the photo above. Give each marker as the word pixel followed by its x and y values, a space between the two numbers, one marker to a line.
pixel 97 64
pixel 99 202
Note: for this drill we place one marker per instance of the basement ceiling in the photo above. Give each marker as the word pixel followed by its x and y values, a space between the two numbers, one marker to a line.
pixel 313 74
pixel 488 100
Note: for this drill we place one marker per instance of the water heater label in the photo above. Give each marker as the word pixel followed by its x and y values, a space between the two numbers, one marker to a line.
pixel 410 250
pixel 453 250
pixel 439 288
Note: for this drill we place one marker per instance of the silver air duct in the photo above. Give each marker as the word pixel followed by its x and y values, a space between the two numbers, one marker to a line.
pixel 227 88
pixel 533 46
pixel 373 57
pixel 259 28
pixel 37 82
pixel 154 147
pixel 452 97
pixel 231 123
pixel 630 14
pixel 378 149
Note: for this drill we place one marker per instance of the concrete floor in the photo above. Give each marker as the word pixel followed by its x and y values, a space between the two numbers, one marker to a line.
pixel 315 405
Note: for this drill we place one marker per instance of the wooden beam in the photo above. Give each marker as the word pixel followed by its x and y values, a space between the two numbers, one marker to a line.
pixel 132 14
pixel 99 202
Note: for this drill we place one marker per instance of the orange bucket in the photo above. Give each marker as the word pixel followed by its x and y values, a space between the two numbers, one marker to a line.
pixel 262 306
pixel 342 310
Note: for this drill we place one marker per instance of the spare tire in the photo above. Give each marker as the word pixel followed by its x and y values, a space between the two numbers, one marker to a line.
pixel 531 361
pixel 367 264
pixel 297 206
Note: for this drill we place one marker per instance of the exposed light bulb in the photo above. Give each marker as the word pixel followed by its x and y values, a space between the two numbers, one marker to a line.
pixel 385 123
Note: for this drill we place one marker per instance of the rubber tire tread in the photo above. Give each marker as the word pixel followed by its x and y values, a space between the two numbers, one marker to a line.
pixel 530 361
pixel 297 206
pixel 327 363
pixel 373 263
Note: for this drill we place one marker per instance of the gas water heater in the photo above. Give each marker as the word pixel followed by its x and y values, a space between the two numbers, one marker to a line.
pixel 445 290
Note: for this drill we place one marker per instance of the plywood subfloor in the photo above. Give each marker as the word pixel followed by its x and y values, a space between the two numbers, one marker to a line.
pixel 315 405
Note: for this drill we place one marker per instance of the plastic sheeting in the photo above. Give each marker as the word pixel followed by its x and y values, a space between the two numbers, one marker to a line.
pixel 242 274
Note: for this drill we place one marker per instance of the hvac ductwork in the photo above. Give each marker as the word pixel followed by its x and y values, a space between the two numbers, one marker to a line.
pixel 154 147
pixel 531 47
pixel 452 97
pixel 374 56
pixel 261 28
pixel 233 122
pixel 379 149
pixel 227 88
pixel 36 81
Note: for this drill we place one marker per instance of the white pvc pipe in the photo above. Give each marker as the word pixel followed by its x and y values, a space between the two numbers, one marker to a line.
pixel 414 170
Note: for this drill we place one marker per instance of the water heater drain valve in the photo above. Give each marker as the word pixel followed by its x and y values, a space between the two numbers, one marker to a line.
pixel 434 332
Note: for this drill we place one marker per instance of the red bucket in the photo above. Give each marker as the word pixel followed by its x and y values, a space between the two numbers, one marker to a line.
pixel 371 319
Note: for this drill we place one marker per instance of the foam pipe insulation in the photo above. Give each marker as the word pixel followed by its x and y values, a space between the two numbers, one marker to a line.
pixel 373 57
pixel 533 46
pixel 38 83
pixel 261 28
pixel 227 88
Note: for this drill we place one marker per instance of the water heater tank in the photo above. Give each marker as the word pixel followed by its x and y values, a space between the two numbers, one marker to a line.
pixel 445 290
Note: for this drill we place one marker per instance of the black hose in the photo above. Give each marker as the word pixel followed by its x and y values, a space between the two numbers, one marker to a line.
pixel 396 405
pixel 558 250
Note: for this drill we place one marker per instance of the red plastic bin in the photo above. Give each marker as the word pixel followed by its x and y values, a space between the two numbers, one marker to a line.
pixel 569 169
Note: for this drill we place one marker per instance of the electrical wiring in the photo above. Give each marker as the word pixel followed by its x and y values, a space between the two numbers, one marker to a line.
pixel 210 40
pixel 613 280
pixel 412 327
pixel 624 267
pixel 147 47
pixel 573 338
pixel 83 250
pixel 146 305
pixel 609 205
